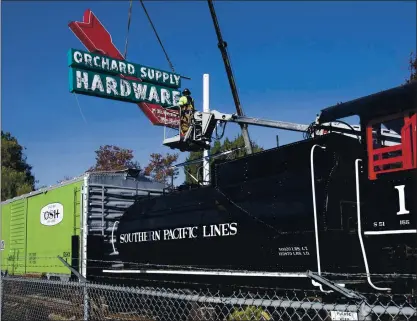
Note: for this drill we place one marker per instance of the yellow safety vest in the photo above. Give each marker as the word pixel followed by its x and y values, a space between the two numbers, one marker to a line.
pixel 186 100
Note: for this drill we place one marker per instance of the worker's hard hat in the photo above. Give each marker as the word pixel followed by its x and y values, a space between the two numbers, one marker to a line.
pixel 186 91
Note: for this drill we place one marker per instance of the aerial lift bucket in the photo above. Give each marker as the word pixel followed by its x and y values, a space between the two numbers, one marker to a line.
pixel 185 142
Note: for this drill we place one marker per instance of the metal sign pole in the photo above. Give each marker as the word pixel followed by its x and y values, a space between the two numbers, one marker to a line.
pixel 206 109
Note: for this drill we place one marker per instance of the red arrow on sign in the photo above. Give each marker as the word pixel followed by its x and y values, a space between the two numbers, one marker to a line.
pixel 95 37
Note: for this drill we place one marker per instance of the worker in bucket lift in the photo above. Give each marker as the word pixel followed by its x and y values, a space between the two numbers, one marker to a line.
pixel 186 104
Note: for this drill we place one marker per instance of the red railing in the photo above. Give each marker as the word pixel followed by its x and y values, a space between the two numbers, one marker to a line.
pixel 409 141
pixel 408 149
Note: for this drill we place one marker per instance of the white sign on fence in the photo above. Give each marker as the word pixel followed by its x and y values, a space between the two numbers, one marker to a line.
pixel 339 315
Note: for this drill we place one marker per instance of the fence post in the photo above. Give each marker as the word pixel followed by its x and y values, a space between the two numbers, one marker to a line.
pixel 84 283
pixel 86 300
pixel 1 296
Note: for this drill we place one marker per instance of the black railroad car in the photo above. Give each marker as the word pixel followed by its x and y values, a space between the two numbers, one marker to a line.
pixel 331 204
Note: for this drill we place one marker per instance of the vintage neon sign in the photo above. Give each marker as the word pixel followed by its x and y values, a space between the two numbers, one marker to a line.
pixel 95 37
pixel 85 60
pixel 84 78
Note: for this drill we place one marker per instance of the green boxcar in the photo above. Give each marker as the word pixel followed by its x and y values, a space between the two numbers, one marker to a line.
pixel 38 227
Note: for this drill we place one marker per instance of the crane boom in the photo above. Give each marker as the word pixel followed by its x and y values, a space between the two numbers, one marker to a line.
pixel 199 135
pixel 222 46
pixel 270 123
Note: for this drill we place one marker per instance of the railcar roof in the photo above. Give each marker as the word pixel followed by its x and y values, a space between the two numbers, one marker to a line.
pixel 383 103
pixel 73 180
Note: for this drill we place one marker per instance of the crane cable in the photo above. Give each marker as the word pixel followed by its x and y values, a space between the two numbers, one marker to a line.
pixel 157 36
pixel 128 28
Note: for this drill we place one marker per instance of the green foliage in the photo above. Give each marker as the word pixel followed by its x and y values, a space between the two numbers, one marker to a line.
pixel 197 169
pixel 160 167
pixel 16 173
pixel 13 183
pixel 114 158
pixel 250 313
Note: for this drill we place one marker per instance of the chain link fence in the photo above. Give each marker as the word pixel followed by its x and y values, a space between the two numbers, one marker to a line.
pixel 37 299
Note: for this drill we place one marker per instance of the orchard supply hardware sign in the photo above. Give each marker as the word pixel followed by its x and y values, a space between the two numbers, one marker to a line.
pixel 100 63
pixel 98 75
pixel 95 37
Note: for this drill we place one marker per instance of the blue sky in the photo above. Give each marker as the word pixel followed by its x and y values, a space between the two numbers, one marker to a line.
pixel 290 60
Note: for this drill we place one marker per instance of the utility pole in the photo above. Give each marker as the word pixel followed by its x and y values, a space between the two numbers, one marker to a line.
pixel 222 46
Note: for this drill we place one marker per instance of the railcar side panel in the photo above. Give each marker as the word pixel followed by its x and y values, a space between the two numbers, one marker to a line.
pixel 53 218
pixel 254 217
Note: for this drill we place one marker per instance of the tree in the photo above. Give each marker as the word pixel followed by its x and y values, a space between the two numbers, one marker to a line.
pixel 160 168
pixel 113 158
pixel 413 68
pixel 16 173
pixel 196 170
